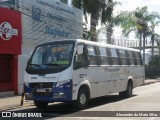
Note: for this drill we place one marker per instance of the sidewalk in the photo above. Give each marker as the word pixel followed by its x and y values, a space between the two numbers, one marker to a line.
pixel 11 102
pixel 150 81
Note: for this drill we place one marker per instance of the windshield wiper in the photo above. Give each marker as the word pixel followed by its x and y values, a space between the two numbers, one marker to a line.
pixel 54 64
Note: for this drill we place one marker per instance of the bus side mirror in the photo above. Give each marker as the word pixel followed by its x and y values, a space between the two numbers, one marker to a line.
pixel 29 60
pixel 80 49
pixel 79 59
pixel 76 58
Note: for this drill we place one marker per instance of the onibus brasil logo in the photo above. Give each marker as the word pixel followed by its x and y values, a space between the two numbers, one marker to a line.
pixel 6 31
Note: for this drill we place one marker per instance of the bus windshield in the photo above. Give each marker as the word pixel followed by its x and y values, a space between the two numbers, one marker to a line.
pixel 52 56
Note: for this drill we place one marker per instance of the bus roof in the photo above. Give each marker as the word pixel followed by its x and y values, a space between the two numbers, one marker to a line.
pixel 96 43
pixel 107 45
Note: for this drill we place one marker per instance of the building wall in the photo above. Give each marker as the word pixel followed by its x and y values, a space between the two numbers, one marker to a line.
pixel 10 48
pixel 44 21
pixel 27 49
pixel 61 22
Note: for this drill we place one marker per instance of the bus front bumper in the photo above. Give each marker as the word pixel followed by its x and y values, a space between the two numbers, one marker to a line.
pixel 62 93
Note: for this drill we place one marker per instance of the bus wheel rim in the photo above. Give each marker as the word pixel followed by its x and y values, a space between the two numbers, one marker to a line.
pixel 82 98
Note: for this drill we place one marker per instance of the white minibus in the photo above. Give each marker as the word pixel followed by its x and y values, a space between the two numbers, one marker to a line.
pixel 78 70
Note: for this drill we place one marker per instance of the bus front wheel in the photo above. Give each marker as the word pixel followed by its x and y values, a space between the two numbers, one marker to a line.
pixel 41 104
pixel 82 99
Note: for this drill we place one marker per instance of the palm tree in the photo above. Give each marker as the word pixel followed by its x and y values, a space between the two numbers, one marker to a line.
pixel 137 21
pixel 95 8
pixel 153 35
pixel 109 19
pixel 134 21
pixel 153 19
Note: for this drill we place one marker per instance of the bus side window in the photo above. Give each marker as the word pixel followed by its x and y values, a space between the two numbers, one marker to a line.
pixel 103 56
pixel 109 56
pixel 128 59
pixel 123 57
pixel 131 58
pixel 80 59
pixel 92 56
pixel 114 56
pixel 138 58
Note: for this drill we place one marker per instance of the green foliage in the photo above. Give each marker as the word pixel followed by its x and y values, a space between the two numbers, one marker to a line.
pixel 107 13
pixel 89 6
pixel 97 9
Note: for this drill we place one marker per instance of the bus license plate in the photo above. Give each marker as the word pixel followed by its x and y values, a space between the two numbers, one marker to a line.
pixel 41 90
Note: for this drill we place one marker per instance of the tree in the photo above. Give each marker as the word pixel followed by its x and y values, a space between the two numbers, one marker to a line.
pixel 153 20
pixel 96 9
pixel 134 21
pixel 137 21
pixel 109 19
pixel 153 35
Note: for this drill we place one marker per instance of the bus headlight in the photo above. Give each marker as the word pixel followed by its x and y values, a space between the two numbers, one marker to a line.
pixel 59 83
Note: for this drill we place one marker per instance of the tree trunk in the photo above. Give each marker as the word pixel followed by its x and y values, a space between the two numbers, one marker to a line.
pixel 144 48
pixel 152 49
pixel 140 41
pixel 109 34
pixel 94 21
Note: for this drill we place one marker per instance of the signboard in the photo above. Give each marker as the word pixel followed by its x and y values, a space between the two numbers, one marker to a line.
pixel 49 20
pixel 10 31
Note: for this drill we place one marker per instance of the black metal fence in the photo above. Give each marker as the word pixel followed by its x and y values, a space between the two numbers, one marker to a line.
pixel 152 71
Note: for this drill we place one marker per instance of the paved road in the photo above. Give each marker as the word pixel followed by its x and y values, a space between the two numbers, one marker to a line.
pixel 145 98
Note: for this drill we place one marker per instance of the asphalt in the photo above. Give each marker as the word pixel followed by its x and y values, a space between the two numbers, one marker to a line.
pixel 13 102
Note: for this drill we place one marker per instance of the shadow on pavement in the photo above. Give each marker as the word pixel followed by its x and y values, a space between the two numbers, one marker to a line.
pixel 67 109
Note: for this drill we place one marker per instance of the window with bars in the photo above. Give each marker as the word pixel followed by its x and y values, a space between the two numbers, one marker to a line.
pixel 92 56
pixel 114 56
pixel 138 58
pixel 131 58
pixel 104 57
pixel 123 57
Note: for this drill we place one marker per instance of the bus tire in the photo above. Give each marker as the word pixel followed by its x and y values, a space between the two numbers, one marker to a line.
pixel 40 104
pixel 82 99
pixel 128 92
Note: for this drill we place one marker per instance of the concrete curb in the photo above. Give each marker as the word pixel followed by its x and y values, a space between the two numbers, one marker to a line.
pixel 151 81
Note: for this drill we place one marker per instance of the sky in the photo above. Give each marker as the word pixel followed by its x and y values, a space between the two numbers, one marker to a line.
pixel 153 5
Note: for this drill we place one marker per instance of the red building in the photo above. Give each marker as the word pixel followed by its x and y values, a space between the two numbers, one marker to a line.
pixel 10 48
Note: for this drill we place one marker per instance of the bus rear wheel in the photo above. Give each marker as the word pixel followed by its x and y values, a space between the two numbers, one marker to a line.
pixel 82 99
pixel 128 92
pixel 40 104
